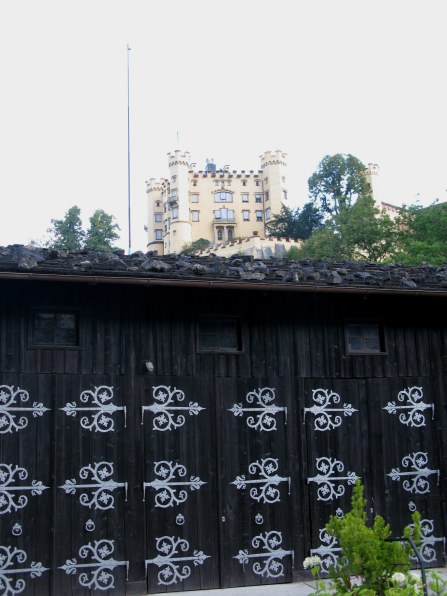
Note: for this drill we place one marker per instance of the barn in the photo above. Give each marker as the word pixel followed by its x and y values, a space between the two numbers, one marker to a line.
pixel 177 423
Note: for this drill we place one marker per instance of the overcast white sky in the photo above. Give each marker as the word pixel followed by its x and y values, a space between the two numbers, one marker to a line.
pixel 234 77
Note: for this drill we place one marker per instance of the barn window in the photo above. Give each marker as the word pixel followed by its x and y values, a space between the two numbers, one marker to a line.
pixel 219 334
pixel 364 338
pixel 55 328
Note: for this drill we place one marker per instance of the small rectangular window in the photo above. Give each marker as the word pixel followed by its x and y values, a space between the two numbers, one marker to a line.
pixel 258 198
pixel 55 328
pixel 245 197
pixel 258 215
pixel 158 234
pixel 219 334
pixel 158 217
pixel 194 198
pixel 364 338
pixel 195 215
pixel 268 213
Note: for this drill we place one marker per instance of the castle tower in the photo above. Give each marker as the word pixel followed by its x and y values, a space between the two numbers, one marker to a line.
pixel 154 190
pixel 273 165
pixel 180 231
pixel 372 177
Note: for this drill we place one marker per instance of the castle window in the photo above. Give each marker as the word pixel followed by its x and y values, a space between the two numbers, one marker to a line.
pixel 173 178
pixel 246 215
pixel 219 334
pixel 219 234
pixel 157 203
pixel 175 213
pixel 223 197
pixel 284 195
pixel 158 217
pixel 364 338
pixel 268 213
pixel 245 197
pixel 244 183
pixel 258 198
pixel 194 198
pixel 195 215
pixel 158 234
pixel 258 183
pixel 55 328
pixel 230 234
pixel 266 195
pixel 194 182
pixel 258 215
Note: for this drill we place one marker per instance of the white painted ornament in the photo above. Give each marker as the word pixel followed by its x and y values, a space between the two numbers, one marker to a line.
pixel 411 413
pixel 13 416
pixel 10 489
pixel 11 560
pixel 265 489
pixel 168 415
pixel 263 412
pixel 98 404
pixel 171 489
pixel 174 566
pixel 416 479
pixel 328 487
pixel 327 416
pixel 269 552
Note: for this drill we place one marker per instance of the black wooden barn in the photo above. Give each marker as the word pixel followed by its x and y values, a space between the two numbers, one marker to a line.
pixel 175 423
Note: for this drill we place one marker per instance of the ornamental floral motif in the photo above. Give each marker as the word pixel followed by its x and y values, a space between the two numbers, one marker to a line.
pixel 171 490
pixel 327 417
pixel 265 411
pixel 267 490
pixel 98 401
pixel 416 481
pixel 271 552
pixel 172 567
pixel 328 549
pixel 167 415
pixel 413 407
pixel 10 500
pixel 10 557
pixel 327 489
pixel 10 400
pixel 426 546
pixel 99 574
pixel 101 482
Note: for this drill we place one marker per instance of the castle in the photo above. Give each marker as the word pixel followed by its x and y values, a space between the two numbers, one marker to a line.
pixel 218 205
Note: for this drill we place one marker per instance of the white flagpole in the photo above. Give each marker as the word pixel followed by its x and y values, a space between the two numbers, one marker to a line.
pixel 128 146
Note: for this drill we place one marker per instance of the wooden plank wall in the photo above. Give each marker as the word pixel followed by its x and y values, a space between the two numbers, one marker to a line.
pixel 293 340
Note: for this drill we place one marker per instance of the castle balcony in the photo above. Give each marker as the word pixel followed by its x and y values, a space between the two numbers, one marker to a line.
pixel 229 219
pixel 172 199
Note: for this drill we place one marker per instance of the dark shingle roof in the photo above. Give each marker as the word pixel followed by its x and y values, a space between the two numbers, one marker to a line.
pixel 19 261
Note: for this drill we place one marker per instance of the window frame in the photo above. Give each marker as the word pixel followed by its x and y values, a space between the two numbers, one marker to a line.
pixel 363 351
pixel 219 349
pixel 50 309
pixel 228 196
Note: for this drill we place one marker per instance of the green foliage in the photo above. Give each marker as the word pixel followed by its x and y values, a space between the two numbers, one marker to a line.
pixel 338 182
pixel 296 223
pixel 361 232
pixel 102 232
pixel 422 235
pixel 368 554
pixel 200 244
pixel 67 232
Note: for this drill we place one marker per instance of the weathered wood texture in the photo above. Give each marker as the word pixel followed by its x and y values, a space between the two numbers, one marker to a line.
pixel 293 345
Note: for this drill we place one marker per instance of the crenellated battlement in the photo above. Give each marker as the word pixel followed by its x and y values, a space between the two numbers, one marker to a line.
pixel 179 158
pixel 273 158
pixel 155 185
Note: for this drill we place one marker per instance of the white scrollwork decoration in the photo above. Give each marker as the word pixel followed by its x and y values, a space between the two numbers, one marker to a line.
pixel 271 551
pixel 327 551
pixel 426 545
pixel 268 481
pixel 265 411
pixel 327 490
pixel 100 476
pixel 10 557
pixel 327 417
pixel 9 499
pixel 169 416
pixel 170 490
pixel 174 568
pixel 10 400
pixel 99 574
pixel 417 483
pixel 99 401
pixel 413 408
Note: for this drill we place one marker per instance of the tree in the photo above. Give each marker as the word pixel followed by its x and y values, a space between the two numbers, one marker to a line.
pixel 296 223
pixel 361 232
pixel 422 235
pixel 338 182
pixel 67 232
pixel 191 248
pixel 101 232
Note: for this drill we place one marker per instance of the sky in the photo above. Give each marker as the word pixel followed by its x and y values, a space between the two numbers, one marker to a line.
pixel 224 80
